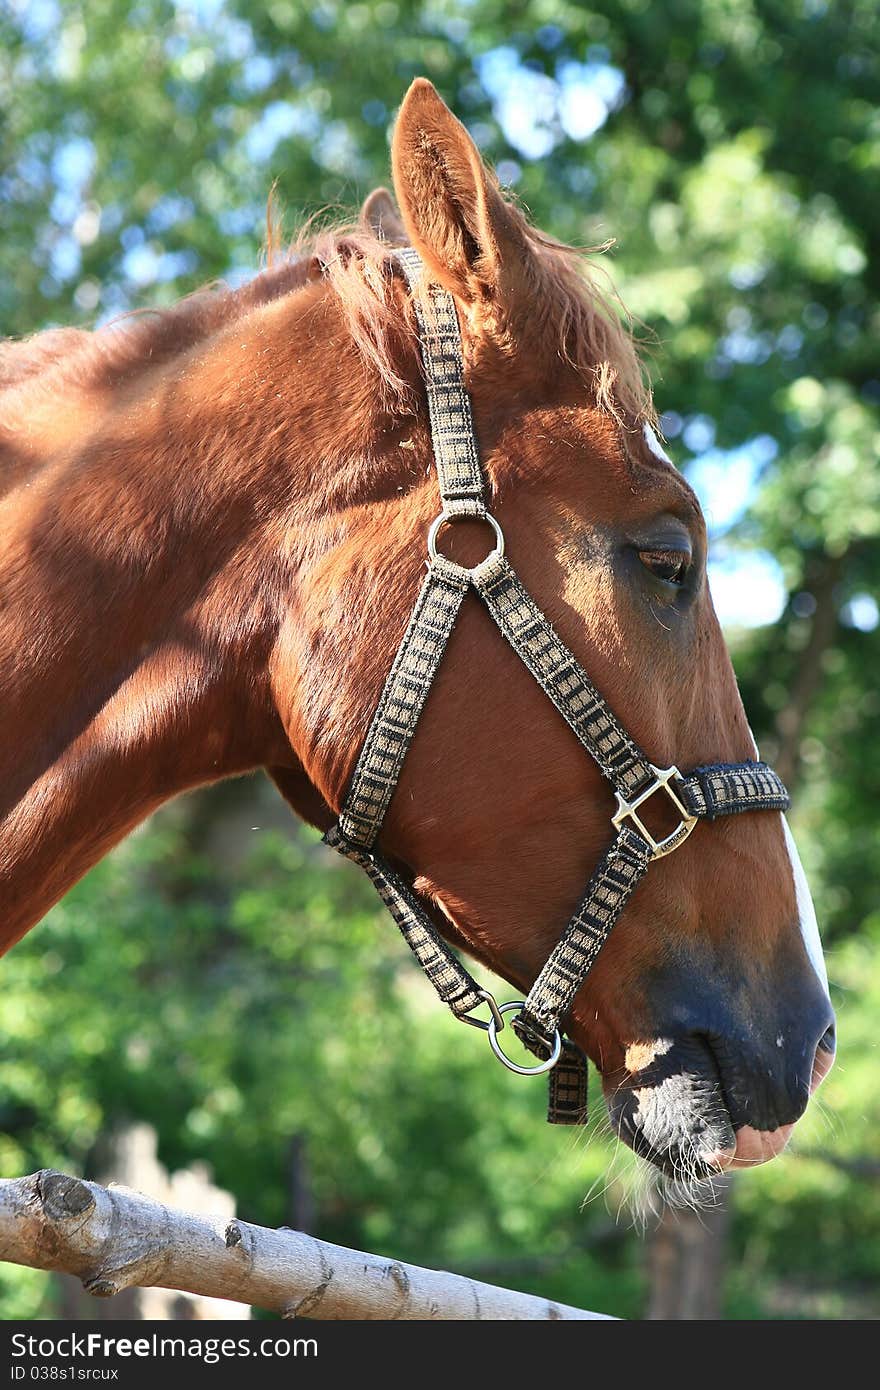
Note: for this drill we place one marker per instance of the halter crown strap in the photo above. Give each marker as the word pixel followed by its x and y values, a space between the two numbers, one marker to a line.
pixel 705 793
pixel 449 406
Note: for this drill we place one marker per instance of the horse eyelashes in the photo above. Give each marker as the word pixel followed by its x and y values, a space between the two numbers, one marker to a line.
pixel 669 565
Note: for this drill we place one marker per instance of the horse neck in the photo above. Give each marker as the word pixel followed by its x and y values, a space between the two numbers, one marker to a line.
pixel 147 549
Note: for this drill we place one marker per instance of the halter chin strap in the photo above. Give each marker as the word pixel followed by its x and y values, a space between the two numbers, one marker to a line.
pixel 705 793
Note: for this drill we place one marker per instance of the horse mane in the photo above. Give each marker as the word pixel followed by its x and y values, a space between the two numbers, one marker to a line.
pixel 140 338
pixel 593 333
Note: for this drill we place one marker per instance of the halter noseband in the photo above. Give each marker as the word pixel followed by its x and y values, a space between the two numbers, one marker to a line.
pixel 705 793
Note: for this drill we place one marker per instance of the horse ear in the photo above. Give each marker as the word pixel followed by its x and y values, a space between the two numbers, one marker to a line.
pixel 451 205
pixel 380 216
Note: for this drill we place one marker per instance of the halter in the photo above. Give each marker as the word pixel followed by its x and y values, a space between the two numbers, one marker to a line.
pixel 704 794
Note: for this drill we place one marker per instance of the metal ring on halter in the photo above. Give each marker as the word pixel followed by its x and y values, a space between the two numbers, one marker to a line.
pixel 446 519
pixel 495 1045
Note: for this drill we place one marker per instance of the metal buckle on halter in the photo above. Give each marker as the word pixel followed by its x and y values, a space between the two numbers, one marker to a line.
pixel 626 810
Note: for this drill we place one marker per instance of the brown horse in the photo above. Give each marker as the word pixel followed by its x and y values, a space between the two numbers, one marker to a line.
pixel 213 524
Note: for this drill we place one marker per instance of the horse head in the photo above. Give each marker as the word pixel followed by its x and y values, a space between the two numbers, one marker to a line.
pixel 219 515
pixel 707 1011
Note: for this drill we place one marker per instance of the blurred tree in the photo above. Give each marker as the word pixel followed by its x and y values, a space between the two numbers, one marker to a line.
pixel 218 978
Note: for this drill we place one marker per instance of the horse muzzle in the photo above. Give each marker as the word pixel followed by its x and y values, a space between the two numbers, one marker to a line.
pixel 696 1105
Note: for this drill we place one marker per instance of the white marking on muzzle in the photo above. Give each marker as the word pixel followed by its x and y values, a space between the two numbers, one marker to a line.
pixel 806 911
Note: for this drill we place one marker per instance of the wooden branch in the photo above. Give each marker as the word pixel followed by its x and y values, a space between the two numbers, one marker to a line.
pixel 115 1238
pixel 862 1166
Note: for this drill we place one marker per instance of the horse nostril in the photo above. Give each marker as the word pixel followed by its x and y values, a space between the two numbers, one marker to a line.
pixel 823 1059
pixel 828 1040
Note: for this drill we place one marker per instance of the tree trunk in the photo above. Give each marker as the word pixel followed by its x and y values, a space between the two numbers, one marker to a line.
pixel 300 1198
pixel 686 1258
pixel 792 719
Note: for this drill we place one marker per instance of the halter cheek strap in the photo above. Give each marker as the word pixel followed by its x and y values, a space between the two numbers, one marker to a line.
pixel 703 794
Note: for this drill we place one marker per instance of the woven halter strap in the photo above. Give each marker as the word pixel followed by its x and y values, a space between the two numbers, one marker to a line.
pixel 703 794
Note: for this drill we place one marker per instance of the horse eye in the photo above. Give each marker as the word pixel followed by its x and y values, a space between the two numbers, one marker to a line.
pixel 669 565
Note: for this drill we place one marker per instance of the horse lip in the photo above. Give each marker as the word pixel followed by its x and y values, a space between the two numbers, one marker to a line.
pixel 673 1110
pixel 752 1148
pixel 672 1105
pixel 677 1158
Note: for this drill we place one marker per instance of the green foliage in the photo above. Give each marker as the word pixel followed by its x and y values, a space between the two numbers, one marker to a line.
pixel 239 994
pixel 236 1002
pixel 807 1235
pixel 235 1008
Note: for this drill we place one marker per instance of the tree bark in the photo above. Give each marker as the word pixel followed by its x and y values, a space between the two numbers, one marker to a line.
pixel 686 1261
pixel 300 1199
pixel 116 1238
pixel 792 719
